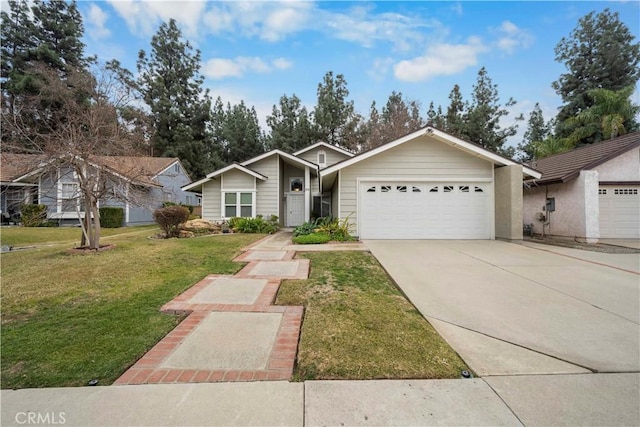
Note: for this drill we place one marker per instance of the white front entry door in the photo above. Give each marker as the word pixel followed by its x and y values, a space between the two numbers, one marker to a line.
pixel 295 209
pixel 423 210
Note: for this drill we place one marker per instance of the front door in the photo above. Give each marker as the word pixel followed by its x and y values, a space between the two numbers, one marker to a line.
pixel 295 209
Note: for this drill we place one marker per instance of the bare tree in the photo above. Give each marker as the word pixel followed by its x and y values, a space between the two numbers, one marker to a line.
pixel 86 133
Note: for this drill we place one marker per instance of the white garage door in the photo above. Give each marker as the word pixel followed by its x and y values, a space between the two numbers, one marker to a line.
pixel 620 212
pixel 419 210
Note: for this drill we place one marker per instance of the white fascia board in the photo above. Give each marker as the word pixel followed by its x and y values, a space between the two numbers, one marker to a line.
pixel 195 184
pixel 283 154
pixel 239 167
pixel 373 152
pixel 326 145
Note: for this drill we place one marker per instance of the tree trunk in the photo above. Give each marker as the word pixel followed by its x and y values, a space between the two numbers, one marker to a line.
pixel 95 228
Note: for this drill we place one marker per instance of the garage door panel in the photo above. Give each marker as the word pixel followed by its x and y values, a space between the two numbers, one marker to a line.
pixel 620 212
pixel 414 210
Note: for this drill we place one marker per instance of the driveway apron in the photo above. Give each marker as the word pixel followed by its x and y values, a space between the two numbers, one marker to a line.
pixel 512 309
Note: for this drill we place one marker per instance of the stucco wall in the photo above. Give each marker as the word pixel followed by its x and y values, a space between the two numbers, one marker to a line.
pixel 508 202
pixel 576 203
pixel 625 167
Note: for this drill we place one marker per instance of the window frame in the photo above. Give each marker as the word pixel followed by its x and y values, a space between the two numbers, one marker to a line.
pixel 238 205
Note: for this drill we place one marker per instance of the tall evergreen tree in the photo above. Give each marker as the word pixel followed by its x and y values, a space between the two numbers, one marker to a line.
pixel 537 130
pixel 333 112
pixel 239 132
pixel 171 85
pixel 455 120
pixel 435 117
pixel 484 115
pixel 35 40
pixel 291 126
pixel 600 53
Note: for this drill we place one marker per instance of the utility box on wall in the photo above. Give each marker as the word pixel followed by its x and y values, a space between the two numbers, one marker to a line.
pixel 550 206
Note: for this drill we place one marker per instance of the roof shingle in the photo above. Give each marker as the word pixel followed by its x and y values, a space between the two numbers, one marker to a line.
pixel 566 166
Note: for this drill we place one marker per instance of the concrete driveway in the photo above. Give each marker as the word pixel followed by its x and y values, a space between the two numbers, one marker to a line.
pixel 510 309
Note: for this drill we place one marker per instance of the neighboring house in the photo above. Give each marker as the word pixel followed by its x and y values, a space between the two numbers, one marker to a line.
pixel 591 192
pixel 27 179
pixel 425 185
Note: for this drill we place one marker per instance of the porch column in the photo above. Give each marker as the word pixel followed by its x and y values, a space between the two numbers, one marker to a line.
pixel 307 194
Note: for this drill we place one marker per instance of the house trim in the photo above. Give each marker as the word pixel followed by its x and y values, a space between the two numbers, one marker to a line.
pixel 440 136
pixel 324 145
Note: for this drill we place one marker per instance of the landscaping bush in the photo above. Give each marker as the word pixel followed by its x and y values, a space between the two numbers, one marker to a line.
pixel 311 239
pixel 167 204
pixel 33 215
pixel 305 228
pixel 170 218
pixel 255 225
pixel 111 217
pixel 336 229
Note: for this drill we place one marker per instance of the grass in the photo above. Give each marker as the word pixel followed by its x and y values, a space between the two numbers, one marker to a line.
pixel 27 236
pixel 67 319
pixel 357 324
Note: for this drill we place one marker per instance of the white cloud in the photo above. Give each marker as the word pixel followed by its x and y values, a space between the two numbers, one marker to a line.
pixel 380 68
pixel 96 19
pixel 220 68
pixel 511 37
pixel 143 17
pixel 441 59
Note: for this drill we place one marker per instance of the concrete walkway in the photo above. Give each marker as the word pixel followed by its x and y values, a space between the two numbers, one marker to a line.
pixel 192 375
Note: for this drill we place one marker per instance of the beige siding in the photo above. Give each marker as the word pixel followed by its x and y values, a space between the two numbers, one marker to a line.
pixel 237 180
pixel 422 158
pixel 335 194
pixel 333 157
pixel 267 196
pixel 211 200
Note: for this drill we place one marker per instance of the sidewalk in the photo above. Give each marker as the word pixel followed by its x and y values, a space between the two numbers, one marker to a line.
pixel 229 361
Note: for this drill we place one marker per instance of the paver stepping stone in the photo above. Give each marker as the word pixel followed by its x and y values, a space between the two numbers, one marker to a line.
pixel 295 269
pixel 225 290
pixel 265 256
pixel 227 340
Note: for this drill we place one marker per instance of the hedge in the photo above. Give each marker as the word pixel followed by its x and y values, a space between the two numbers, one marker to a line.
pixel 111 217
pixel 33 215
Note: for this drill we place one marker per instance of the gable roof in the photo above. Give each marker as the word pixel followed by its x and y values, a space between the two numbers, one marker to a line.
pixel 219 172
pixel 142 170
pixel 441 136
pixel 324 145
pixel 566 166
pixel 288 156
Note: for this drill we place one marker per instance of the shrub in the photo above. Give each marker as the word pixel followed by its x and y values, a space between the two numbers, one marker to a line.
pixel 170 218
pixel 255 225
pixel 167 204
pixel 33 215
pixel 111 217
pixel 336 229
pixel 311 239
pixel 305 228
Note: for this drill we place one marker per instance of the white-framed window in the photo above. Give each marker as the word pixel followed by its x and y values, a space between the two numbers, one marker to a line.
pixel 322 158
pixel 239 204
pixel 69 197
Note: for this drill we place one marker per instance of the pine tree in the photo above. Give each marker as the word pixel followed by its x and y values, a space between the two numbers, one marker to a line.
pixel 171 86
pixel 484 114
pixel 333 112
pixel 291 126
pixel 537 131
pixel 455 120
pixel 239 133
pixel 599 54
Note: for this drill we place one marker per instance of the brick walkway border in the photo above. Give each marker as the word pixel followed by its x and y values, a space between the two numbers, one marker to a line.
pixel 280 364
pixel 281 361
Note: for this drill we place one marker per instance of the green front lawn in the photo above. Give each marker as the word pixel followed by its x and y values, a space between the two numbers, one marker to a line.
pixel 67 319
pixel 357 324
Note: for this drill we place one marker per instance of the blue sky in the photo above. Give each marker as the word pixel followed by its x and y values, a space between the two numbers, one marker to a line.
pixel 258 51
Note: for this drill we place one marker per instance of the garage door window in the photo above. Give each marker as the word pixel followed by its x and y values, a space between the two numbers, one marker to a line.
pixel 625 191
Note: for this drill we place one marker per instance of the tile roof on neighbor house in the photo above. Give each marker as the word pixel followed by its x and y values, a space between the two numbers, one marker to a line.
pixel 139 169
pixel 567 166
